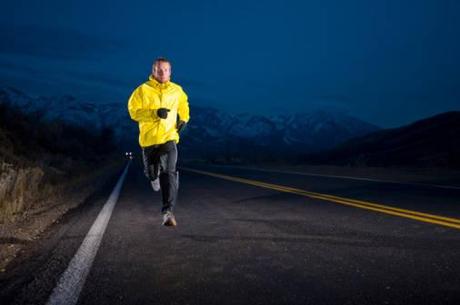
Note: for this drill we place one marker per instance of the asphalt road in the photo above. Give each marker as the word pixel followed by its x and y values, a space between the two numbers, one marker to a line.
pixel 237 243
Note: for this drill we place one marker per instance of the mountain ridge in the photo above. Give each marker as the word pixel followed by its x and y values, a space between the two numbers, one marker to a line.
pixel 211 134
pixel 432 141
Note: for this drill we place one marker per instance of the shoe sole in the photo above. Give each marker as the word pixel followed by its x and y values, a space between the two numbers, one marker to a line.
pixel 170 223
pixel 155 189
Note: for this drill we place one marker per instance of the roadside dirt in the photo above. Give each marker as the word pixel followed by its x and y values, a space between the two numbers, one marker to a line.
pixel 15 236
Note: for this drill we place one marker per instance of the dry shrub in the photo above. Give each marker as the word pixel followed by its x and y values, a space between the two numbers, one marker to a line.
pixel 18 188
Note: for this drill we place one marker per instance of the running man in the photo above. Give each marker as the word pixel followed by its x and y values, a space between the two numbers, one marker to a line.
pixel 162 111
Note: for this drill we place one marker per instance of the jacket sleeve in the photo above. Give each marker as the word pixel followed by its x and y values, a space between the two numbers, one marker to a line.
pixel 183 109
pixel 136 110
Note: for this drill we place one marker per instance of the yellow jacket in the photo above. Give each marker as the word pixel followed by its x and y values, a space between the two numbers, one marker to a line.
pixel 144 103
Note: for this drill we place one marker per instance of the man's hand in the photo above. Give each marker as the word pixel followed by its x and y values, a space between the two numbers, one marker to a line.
pixel 163 113
pixel 180 125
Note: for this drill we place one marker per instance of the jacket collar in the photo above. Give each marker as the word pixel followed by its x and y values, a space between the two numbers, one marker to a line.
pixel 157 84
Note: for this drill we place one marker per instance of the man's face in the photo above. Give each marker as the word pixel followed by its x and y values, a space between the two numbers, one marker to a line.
pixel 162 71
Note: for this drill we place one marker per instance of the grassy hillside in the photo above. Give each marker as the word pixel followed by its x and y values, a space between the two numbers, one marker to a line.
pixel 41 159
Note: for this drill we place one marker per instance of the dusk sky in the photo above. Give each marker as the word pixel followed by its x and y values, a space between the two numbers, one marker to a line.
pixel 386 62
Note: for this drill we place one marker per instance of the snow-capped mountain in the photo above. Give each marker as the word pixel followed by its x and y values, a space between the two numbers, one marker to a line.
pixel 77 112
pixel 211 133
pixel 215 133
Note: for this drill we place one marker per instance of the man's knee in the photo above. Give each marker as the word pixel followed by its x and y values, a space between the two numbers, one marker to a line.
pixel 168 172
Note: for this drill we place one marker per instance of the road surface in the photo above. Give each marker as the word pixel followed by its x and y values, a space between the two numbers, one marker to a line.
pixel 255 237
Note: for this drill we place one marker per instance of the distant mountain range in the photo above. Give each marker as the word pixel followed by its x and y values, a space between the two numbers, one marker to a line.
pixel 321 136
pixel 79 113
pixel 211 134
pixel 219 136
pixel 434 141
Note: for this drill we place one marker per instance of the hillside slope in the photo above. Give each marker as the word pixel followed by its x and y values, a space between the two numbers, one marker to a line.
pixel 434 141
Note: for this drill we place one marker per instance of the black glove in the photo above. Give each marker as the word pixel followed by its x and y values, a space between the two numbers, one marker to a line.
pixel 162 113
pixel 180 125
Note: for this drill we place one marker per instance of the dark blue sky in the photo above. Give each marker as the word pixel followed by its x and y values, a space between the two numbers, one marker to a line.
pixel 387 62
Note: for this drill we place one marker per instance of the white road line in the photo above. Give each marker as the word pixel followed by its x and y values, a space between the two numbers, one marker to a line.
pixel 454 187
pixel 72 280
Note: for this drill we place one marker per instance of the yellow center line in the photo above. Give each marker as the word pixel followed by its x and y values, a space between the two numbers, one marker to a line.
pixel 425 217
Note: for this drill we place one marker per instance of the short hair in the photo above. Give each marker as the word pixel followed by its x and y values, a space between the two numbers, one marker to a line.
pixel 161 59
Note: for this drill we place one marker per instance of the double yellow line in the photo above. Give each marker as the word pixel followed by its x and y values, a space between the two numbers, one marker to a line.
pixel 425 217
